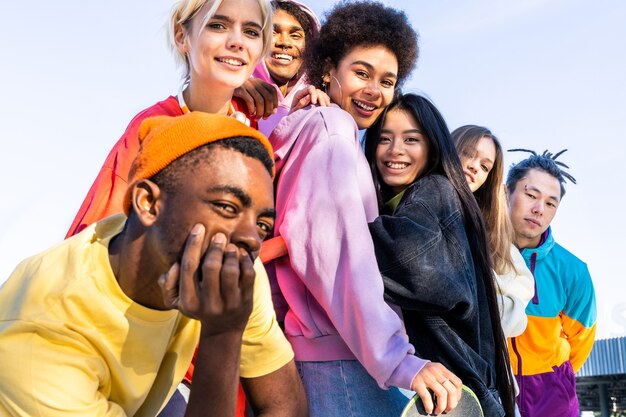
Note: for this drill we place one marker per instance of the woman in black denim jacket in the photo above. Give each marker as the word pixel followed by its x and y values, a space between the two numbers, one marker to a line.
pixel 431 249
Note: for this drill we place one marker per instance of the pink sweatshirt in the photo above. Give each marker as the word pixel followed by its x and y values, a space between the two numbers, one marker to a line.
pixel 330 280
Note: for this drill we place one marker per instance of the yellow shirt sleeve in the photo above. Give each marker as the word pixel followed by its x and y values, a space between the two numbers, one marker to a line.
pixel 265 348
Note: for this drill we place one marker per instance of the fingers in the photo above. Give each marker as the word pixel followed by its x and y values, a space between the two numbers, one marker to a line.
pixel 318 97
pixel 261 98
pixel 309 95
pixel 444 385
pixel 301 103
pixel 188 278
pixel 452 384
pixel 313 94
pixel 212 265
pixel 229 278
pixel 169 286
pixel 247 276
pixel 425 396
pixel 323 99
pixel 214 286
pixel 456 383
pixel 268 101
pixel 236 284
pixel 226 289
pixel 248 100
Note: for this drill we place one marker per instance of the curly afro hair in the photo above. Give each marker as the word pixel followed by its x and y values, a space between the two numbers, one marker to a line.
pixel 356 24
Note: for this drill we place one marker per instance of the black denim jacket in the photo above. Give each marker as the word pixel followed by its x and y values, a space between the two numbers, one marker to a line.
pixel 425 260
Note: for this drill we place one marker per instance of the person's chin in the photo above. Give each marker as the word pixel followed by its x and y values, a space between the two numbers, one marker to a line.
pixel 233 81
pixel 281 75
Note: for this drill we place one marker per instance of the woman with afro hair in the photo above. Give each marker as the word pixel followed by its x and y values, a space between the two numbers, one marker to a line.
pixel 351 348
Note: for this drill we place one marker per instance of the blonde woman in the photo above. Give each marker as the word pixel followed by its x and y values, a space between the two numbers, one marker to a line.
pixel 217 44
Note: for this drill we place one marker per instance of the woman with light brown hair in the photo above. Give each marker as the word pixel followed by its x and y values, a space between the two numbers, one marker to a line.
pixel 482 161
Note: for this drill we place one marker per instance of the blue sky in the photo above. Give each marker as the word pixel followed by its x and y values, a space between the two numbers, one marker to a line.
pixel 541 74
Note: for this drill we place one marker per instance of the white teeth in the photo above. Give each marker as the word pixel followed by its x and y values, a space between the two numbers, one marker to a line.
pixel 396 165
pixel 231 61
pixel 283 56
pixel 363 106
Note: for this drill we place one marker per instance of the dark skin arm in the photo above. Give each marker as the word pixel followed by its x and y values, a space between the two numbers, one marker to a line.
pixel 216 288
pixel 260 97
pixel 278 394
pixel 262 100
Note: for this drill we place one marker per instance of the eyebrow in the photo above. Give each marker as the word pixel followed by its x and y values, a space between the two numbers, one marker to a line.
pixel 229 20
pixel 371 68
pixel 245 199
pixel 404 131
pixel 271 213
pixel 236 191
pixel 293 28
pixel 537 190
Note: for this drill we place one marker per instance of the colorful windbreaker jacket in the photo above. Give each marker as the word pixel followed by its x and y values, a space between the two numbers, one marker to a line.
pixel 561 315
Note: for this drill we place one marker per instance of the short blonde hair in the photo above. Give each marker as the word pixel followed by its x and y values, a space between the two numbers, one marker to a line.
pixel 183 13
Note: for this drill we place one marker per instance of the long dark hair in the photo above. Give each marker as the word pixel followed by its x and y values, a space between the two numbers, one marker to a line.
pixel 443 160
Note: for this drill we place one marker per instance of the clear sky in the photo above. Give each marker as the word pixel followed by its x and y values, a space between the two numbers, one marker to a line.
pixel 541 74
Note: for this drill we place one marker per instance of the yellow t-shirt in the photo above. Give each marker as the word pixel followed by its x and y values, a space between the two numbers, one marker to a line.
pixel 73 344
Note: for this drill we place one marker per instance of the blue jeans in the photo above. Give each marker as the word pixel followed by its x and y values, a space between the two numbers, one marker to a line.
pixel 345 389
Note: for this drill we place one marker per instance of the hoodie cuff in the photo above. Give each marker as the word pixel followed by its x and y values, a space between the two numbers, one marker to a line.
pixel 406 372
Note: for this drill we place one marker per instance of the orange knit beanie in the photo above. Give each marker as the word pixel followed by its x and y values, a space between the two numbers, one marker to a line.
pixel 163 139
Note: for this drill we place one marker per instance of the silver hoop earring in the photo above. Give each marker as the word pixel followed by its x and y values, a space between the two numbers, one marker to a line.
pixel 340 89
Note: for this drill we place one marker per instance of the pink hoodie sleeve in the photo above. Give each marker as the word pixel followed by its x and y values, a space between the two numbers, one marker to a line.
pixel 330 249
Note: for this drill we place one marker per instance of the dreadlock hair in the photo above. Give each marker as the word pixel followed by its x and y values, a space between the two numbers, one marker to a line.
pixel 491 196
pixel 443 160
pixel 545 162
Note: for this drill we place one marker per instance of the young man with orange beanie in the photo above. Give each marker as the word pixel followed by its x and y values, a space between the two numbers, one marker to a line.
pixel 106 323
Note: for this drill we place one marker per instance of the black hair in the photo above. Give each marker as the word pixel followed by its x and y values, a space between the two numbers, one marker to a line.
pixel 545 162
pixel 444 160
pixel 170 176
pixel 300 15
pixel 362 23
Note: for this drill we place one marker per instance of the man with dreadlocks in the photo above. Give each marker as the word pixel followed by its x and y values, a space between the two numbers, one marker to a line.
pixel 562 313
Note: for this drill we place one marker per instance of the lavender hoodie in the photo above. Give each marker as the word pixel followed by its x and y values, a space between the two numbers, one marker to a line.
pixel 324 199
pixel 284 102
